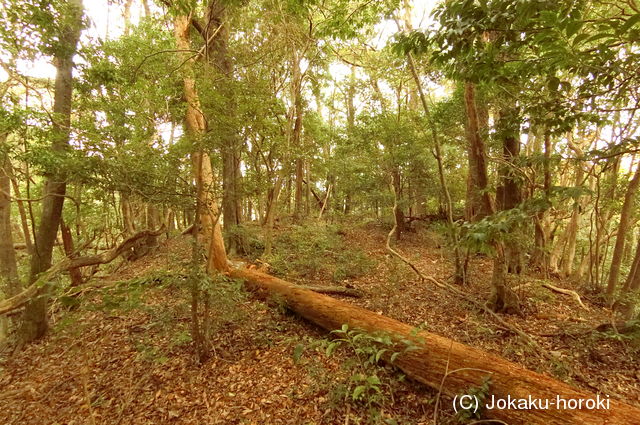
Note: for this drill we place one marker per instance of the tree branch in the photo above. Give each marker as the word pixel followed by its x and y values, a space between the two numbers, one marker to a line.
pixel 17 301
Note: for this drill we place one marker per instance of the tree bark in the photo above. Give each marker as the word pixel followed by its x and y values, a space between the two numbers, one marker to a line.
pixel 69 251
pixel 540 256
pixel 34 324
pixel 481 202
pixel 434 355
pixel 296 133
pixel 508 193
pixel 209 231
pixel 574 222
pixel 621 237
pixel 216 39
pixel 9 280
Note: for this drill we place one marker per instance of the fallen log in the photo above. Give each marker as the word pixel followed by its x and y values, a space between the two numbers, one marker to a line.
pixel 465 367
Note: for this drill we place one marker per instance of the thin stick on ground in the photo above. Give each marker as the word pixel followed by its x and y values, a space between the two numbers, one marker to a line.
pixel 459 293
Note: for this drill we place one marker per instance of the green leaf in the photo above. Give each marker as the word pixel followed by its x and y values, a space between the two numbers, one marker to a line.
pixel 379 354
pixel 374 380
pixel 629 23
pixel 394 356
pixel 574 27
pixel 297 353
pixel 358 392
pixel 598 36
pixel 331 348
pixel 580 38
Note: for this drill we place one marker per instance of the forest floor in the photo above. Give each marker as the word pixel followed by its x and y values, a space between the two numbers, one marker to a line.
pixel 121 353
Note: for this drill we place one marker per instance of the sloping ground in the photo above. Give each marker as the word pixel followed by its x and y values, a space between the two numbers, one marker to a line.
pixel 600 362
pixel 124 356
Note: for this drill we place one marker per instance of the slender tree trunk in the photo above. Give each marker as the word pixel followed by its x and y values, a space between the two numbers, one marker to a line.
pixel 69 251
pixel 296 133
pixel 397 210
pixel 459 273
pixel 623 228
pixel 127 17
pixel 631 289
pixel 9 281
pixel 147 10
pixel 540 257
pixel 482 206
pixel 270 214
pixel 24 222
pixel 34 323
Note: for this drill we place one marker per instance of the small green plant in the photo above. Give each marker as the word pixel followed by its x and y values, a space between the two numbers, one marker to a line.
pixel 368 384
pixel 479 394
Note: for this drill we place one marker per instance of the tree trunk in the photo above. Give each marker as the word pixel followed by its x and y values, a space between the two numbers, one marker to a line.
pixel 210 230
pixel 621 237
pixel 296 133
pixel 508 193
pixel 9 280
pixel 147 10
pixel 217 38
pixel 26 232
pixel 69 251
pixel 572 230
pixel 34 324
pixel 270 214
pixel 434 355
pixel 481 202
pixel 127 214
pixel 126 15
pixel 540 256
pixel 459 273
pixel 397 210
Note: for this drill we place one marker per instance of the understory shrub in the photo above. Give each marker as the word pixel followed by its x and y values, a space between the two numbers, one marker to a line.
pixel 316 251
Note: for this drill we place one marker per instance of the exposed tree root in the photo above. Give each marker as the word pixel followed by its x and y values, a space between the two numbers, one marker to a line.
pixel 569 292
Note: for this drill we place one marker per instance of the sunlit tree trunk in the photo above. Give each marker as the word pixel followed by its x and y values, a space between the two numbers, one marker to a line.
pixel 574 222
pixel 126 15
pixel 196 126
